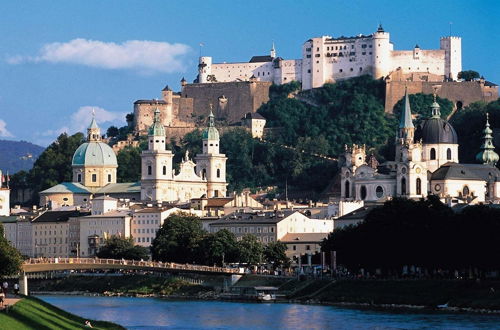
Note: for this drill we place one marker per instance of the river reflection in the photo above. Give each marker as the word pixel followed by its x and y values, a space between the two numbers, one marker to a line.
pixel 150 313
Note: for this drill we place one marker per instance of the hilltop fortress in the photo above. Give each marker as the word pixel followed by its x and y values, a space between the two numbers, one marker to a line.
pixel 236 89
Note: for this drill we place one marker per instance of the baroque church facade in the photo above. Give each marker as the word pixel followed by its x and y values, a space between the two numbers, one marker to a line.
pixel 426 162
pixel 95 171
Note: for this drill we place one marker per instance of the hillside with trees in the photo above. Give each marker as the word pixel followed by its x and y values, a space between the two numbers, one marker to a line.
pixel 18 155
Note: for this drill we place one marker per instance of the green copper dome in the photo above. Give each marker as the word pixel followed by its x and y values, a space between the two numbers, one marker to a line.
pixel 157 129
pixel 210 133
pixel 94 154
pixel 487 155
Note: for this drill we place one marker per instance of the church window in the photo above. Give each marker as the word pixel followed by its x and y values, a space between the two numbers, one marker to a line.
pixel 79 178
pixel 433 154
pixel 340 70
pixel 164 170
pixel 465 191
pixel 204 174
pixel 352 69
pixel 347 189
pixel 150 170
pixel 363 192
pixel 157 141
pixel 360 69
pixel 94 177
pixel 216 193
pixel 379 192
pixel 419 186
pixel 309 71
pixel 448 154
pixel 218 172
pixel 109 177
pixel 403 186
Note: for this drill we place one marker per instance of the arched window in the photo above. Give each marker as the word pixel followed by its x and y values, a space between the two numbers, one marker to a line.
pixel 164 170
pixel 465 191
pixel 379 192
pixel 448 154
pixel 363 192
pixel 433 154
pixel 218 173
pixel 150 170
pixel 94 177
pixel 403 186
pixel 347 189
pixel 109 177
pixel 204 174
pixel 419 186
pixel 79 177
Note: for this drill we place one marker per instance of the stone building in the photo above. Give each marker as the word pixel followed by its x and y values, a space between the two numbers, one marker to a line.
pixel 4 196
pixel 426 163
pixel 327 59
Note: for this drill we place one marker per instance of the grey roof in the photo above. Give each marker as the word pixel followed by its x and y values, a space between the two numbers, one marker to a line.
pixel 405 120
pixel 359 214
pixel 303 237
pixel 8 219
pixel 67 187
pixel 257 59
pixel 106 198
pixel 269 217
pixel 253 115
pixel 454 171
pixel 58 216
pixel 150 102
pixel 436 130
pixel 120 188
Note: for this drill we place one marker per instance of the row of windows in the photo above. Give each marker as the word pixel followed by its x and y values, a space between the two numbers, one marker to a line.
pixel 248 229
pixel 51 240
pixel 432 155
pixel 145 231
pixel 144 239
pixel 145 222
pixel 94 177
pixel 50 233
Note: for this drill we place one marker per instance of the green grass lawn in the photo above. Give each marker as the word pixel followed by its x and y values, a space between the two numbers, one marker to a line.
pixel 33 313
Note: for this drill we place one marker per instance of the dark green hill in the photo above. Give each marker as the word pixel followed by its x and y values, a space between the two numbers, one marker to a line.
pixel 18 155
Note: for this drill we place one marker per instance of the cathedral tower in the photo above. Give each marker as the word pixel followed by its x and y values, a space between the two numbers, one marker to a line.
pixel 487 155
pixel 156 164
pixel 211 164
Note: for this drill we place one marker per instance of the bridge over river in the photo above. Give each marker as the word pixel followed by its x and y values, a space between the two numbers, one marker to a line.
pixel 34 265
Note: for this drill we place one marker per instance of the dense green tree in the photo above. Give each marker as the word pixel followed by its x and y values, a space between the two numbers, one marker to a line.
pixel 275 253
pixel 112 131
pixel 468 75
pixel 218 248
pixel 421 106
pixel 117 247
pixel 10 258
pixel 469 124
pixel 250 250
pixel 129 164
pixel 178 239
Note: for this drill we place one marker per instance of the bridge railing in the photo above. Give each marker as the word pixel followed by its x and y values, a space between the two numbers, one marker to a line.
pixel 136 263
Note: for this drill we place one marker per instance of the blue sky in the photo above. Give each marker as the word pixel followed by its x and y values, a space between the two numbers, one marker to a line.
pixel 59 59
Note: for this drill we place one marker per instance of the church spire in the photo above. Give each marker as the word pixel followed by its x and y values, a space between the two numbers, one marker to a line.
pixel 406 128
pixel 93 131
pixel 157 128
pixel 273 51
pixel 487 155
pixel 436 109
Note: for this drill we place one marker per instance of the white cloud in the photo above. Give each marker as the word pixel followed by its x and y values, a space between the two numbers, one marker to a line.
pixel 142 55
pixel 3 130
pixel 80 120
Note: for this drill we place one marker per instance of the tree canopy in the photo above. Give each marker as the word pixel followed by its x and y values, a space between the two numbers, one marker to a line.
pixel 468 75
pixel 422 233
pixel 421 106
pixel 117 247
pixel 10 258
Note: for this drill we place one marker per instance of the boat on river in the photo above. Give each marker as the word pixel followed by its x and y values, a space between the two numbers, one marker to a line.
pixel 254 293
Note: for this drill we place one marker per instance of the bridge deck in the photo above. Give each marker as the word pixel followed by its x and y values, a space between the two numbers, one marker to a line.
pixel 48 264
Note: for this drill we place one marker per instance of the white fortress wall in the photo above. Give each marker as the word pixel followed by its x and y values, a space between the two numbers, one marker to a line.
pixel 226 72
pixel 288 71
pixel 418 60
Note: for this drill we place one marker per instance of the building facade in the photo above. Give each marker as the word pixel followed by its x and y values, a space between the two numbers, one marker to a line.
pixel 326 60
pixel 426 163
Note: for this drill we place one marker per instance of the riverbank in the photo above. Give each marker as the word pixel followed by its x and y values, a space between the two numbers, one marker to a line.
pixel 33 313
pixel 453 295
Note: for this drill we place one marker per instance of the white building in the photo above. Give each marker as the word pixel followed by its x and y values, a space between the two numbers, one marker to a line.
pixel 147 221
pixel 328 59
pixel 426 163
pixel 204 177
pixel 4 197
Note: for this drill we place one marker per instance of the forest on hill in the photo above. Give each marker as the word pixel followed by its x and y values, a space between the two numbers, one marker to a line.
pixel 307 132
pixel 18 155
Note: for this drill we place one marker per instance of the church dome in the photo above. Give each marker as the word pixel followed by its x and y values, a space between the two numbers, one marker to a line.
pixel 94 153
pixel 436 130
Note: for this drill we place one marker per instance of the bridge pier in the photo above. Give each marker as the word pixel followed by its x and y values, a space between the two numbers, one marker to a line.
pixel 23 284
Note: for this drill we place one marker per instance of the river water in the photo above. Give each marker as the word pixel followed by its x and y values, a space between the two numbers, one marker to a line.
pixel 151 313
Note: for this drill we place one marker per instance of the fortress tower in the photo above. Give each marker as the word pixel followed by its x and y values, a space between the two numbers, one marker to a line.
pixel 452 47
pixel 382 49
pixel 204 69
